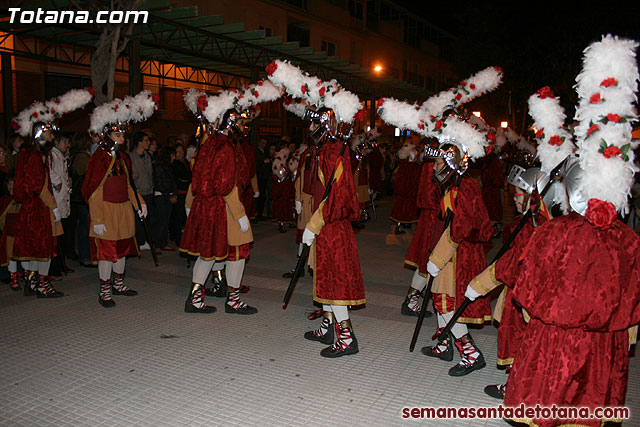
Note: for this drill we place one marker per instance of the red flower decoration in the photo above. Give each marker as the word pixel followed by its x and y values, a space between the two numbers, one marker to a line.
pixel 304 88
pixel 540 133
pixel 601 214
pixel 458 96
pixel 247 87
pixel 498 69
pixel 472 86
pixel 491 137
pixel 380 102
pixel 115 107
pixel 15 125
pixel 91 91
pixel 271 68
pixel 421 126
pixel 592 129
pixel 611 151
pixel 463 83
pixel 288 100
pixel 321 91
pixel 555 140
pixel 53 111
pixel 609 82
pixel 255 93
pixel 202 102
pixel 35 114
pixel 361 115
pixel 260 82
pixel 439 124
pixel 595 98
pixel 545 92
pixel 613 117
pixel 490 149
pixel 155 98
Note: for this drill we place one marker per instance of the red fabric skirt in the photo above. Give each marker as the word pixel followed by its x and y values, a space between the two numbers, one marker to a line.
pixel 404 210
pixel 205 233
pixel 510 331
pixel 34 238
pixel 338 278
pixel 569 367
pixel 420 247
pixel 236 253
pixel 112 250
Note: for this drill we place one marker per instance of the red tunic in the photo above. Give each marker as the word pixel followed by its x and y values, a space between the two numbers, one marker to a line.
pixel 470 229
pixel 405 209
pixel 581 286
pixel 492 182
pixel 338 278
pixel 34 234
pixel 422 243
pixel 512 324
pixel 8 206
pixel 214 174
pixel 283 195
pixel 247 190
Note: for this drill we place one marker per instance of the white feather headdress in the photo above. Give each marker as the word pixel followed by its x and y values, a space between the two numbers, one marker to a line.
pixel 299 84
pixel 606 88
pixel 134 109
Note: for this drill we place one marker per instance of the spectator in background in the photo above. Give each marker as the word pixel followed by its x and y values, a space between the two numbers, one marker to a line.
pixel 15 142
pixel 153 148
pixel 95 140
pixel 4 171
pixel 61 185
pixel 263 171
pixel 182 175
pixel 271 152
pixel 142 172
pixel 79 218
pixel 165 194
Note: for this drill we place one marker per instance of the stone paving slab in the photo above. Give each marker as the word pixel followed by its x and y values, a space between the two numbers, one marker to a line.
pixel 145 362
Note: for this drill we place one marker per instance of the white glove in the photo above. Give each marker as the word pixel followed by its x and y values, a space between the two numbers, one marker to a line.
pixel 99 229
pixel 143 212
pixel 56 215
pixel 298 207
pixel 187 210
pixel 432 269
pixel 308 237
pixel 256 194
pixel 244 223
pixel 471 293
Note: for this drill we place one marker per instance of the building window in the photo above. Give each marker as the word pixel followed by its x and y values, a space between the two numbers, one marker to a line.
pixel 328 47
pixel 356 9
pixel 268 32
pixel 296 33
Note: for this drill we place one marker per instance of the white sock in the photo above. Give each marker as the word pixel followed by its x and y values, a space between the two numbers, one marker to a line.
pixel 104 269
pixel 201 270
pixel 118 266
pixel 418 282
pixel 234 271
pixel 13 266
pixel 43 267
pixel 219 265
pixel 326 307
pixel 341 312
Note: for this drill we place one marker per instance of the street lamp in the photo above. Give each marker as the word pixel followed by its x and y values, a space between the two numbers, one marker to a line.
pixel 477 114
pixel 377 68
pixel 504 125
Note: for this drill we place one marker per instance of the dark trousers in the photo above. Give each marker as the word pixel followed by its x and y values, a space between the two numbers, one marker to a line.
pixel 159 223
pixel 262 199
pixel 177 219
pixel 141 236
pixel 79 227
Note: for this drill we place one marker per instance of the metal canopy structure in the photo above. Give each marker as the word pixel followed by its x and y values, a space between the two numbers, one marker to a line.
pixel 178 44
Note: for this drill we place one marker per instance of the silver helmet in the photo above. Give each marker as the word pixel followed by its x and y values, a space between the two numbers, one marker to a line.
pixel 534 179
pixel 454 162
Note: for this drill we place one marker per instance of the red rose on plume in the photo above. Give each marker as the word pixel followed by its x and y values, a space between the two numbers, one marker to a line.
pixel 115 107
pixel 247 87
pixel 490 149
pixel 53 111
pixel 304 88
pixel 613 118
pixel 321 91
pixel 609 82
pixel 491 137
pixel 458 96
pixel 540 133
pixel 361 115
pixel 288 100
pixel 611 151
pixel 319 83
pixel 255 93
pixel 380 102
pixel 601 214
pixel 202 102
pixel 271 68
pixel 592 129
pixel 15 125
pixel 35 114
pixel 421 126
pixel 155 98
pixel 545 92
pixel 260 82
pixel 595 98
pixel 472 86
pixel 463 83
pixel 91 91
pixel 555 140
pixel 439 124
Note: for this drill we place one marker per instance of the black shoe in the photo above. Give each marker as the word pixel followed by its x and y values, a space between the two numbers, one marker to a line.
pixel 495 390
pixel 52 294
pixel 400 230
pixel 325 339
pixel 333 353
pixel 88 265
pixel 460 369
pixel 282 228
pixel 28 290
pixel 246 309
pixel 106 303
pixel 190 308
pixel 289 275
pixel 216 291
pixel 127 293
pixel 446 355
pixel 406 311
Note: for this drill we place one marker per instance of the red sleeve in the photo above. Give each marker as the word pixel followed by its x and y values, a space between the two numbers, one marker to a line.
pixel 471 220
pixel 214 170
pixel 342 203
pixel 96 169
pixel 30 175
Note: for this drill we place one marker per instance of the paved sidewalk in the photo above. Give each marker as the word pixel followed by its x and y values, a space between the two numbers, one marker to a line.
pixel 70 362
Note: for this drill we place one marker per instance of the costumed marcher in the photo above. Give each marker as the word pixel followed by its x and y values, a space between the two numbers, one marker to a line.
pixel 217 226
pixel 9 209
pixel 572 307
pixel 251 191
pixel 360 170
pixel 282 191
pixel 112 197
pixel 459 254
pixel 529 185
pixel 405 210
pixel 492 180
pixel 376 168
pixel 337 278
pixel 38 221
